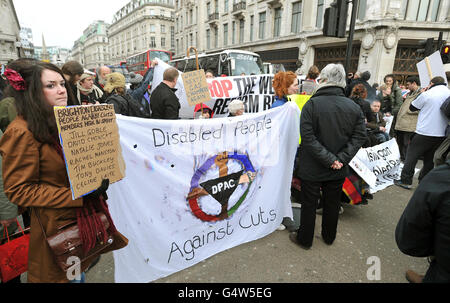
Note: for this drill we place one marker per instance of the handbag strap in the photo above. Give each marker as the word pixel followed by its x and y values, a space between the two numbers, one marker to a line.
pixel 7 235
pixel 20 227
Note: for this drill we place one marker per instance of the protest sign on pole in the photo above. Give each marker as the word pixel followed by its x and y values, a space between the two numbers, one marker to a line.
pixel 431 67
pixel 196 87
pixel 90 141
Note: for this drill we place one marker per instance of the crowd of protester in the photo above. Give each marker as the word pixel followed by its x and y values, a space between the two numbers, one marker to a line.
pixel 345 113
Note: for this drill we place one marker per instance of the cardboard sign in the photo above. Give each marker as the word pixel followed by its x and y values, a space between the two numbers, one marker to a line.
pixel 431 67
pixel 89 137
pixel 196 87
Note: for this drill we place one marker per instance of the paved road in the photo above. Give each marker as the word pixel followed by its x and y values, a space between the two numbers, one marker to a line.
pixel 363 231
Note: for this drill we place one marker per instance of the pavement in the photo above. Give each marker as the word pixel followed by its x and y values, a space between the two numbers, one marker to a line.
pixel 365 238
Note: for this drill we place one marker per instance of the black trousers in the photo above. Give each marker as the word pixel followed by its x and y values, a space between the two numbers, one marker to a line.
pixel 403 141
pixel 420 146
pixel 310 195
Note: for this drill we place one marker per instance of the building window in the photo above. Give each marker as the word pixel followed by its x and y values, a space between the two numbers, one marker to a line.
pixel 225 34
pixel 241 30
pixel 319 18
pixel 435 10
pixel 416 10
pixel 152 28
pixel 208 39
pixel 262 25
pixel 163 42
pixel 277 22
pixel 296 24
pixel 152 42
pixel 251 27
pixel 163 29
pixel 225 8
pixel 362 9
pixel 208 10
pixel 423 10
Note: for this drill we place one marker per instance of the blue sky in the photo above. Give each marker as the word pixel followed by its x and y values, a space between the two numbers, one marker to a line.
pixel 63 21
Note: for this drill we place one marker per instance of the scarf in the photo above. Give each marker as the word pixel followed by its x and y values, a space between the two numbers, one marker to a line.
pixel 88 221
pixel 94 88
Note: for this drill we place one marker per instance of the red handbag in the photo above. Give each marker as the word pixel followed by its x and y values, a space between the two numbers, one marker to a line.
pixel 14 254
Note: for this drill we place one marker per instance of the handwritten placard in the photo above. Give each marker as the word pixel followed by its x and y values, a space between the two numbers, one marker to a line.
pixel 90 140
pixel 196 87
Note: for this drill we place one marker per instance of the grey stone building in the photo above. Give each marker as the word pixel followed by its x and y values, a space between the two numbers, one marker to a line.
pixel 92 48
pixel 290 31
pixel 139 26
pixel 10 42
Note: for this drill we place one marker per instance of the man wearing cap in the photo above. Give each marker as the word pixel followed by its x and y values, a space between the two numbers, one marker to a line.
pixel 123 103
pixel 164 103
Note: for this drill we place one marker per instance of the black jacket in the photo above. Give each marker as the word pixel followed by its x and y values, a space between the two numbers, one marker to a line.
pixel 332 128
pixel 424 227
pixel 365 107
pixel 164 103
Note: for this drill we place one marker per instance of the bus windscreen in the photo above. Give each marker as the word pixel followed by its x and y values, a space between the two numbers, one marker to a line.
pixel 246 64
pixel 164 56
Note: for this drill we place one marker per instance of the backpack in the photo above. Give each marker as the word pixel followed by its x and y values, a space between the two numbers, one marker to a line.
pixel 128 106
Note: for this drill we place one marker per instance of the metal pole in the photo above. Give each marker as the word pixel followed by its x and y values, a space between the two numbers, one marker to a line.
pixel 348 53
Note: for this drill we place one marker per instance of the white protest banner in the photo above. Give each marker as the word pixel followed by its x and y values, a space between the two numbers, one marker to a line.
pixel 431 67
pixel 194 188
pixel 255 91
pixel 381 162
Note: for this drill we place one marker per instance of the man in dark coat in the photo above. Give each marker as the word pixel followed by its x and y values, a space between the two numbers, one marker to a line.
pixel 165 104
pixel 423 228
pixel 333 129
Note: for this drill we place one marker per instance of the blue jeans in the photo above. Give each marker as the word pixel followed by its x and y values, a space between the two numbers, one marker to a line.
pixel 382 137
pixel 82 279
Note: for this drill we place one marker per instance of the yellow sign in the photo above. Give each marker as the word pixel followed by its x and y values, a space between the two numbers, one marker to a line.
pixel 196 87
pixel 300 100
pixel 90 140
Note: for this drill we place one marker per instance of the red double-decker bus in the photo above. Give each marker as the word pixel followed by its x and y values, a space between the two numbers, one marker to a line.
pixel 141 62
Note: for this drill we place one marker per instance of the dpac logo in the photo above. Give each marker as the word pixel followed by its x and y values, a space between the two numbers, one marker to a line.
pixel 220 188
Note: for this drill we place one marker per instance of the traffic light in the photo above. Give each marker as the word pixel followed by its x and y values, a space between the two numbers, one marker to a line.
pixel 330 22
pixel 342 6
pixel 427 48
pixel 445 54
pixel 335 19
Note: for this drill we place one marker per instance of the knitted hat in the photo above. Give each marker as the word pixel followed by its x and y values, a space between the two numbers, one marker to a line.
pixel 135 78
pixel 113 81
pixel 235 106
pixel 86 74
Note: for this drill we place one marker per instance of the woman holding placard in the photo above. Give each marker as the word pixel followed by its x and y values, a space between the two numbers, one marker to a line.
pixel 34 171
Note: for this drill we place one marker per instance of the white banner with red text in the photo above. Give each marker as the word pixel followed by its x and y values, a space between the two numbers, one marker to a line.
pixel 255 91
